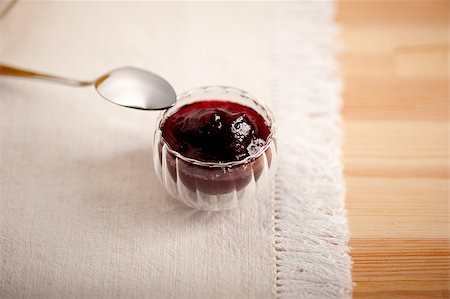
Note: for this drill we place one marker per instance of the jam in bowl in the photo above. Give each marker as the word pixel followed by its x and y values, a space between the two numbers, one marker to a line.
pixel 214 148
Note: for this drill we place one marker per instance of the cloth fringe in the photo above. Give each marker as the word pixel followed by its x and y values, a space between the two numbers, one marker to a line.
pixel 311 231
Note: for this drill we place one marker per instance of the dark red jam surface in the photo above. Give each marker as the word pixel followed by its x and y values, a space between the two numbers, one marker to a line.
pixel 215 131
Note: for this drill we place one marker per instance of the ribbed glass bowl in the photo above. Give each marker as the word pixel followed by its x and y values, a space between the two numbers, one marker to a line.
pixel 209 185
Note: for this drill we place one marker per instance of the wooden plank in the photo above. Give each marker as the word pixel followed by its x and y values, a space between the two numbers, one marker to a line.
pixel 393 268
pixel 402 290
pixel 398 208
pixel 396 111
pixel 395 59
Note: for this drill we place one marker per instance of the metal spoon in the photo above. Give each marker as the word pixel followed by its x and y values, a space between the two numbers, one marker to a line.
pixel 126 86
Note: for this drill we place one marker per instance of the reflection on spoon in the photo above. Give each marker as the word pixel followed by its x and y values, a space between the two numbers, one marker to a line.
pixel 126 86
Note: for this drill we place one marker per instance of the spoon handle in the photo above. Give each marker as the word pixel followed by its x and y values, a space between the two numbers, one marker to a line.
pixel 6 70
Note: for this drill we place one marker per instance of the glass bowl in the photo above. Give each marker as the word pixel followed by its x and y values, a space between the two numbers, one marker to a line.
pixel 210 185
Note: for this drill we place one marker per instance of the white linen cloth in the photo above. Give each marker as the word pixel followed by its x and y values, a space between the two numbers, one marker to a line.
pixel 82 214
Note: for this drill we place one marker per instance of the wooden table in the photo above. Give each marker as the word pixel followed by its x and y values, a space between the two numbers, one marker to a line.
pixel 395 64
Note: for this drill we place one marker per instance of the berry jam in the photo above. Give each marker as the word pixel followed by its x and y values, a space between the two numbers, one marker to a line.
pixel 215 131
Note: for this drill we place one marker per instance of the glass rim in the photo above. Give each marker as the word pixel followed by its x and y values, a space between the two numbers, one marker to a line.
pixel 269 140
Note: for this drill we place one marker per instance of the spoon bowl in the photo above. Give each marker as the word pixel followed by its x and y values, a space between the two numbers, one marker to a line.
pixel 136 88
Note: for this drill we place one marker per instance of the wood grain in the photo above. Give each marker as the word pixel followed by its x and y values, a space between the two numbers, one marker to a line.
pixel 393 268
pixel 396 112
